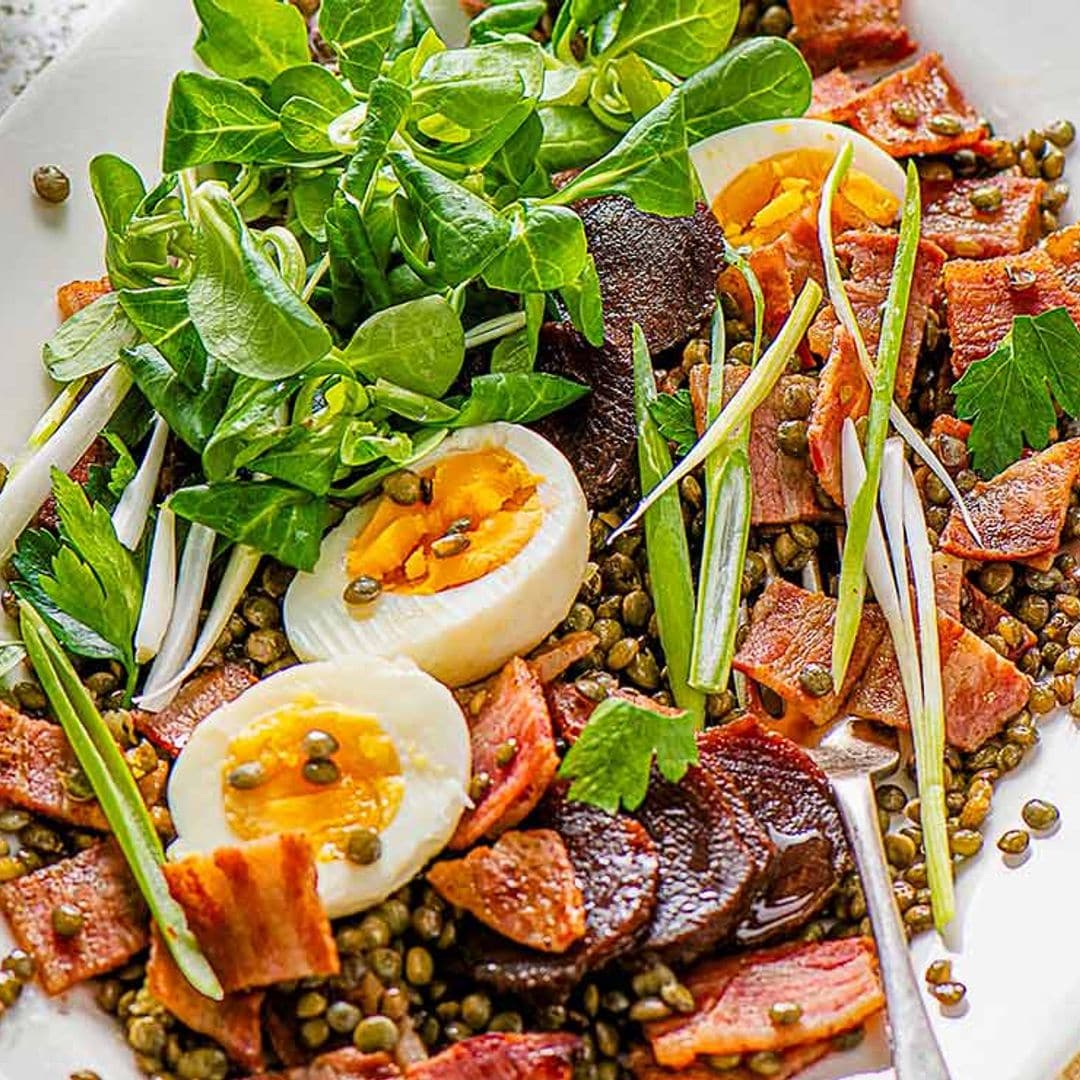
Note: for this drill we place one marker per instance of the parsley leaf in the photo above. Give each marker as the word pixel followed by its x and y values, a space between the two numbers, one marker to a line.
pixel 674 416
pixel 611 761
pixel 1009 395
pixel 86 585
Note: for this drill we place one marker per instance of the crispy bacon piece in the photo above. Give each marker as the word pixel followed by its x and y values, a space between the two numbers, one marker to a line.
pixel 836 982
pixel 255 912
pixel 344 1064
pixel 524 887
pixel 783 486
pixel 849 33
pixel 1063 247
pixel 515 709
pixel 233 1022
pixel 931 91
pixel 644 1067
pixel 76 295
pixel 789 796
pixel 791 628
pixel 97 882
pixel 951 426
pixel 951 221
pixel 553 660
pixel 802 246
pixel 36 762
pixel 948 581
pixel 1019 513
pixel 985 296
pixel 97 453
pixel 499 1056
pixel 770 266
pixel 170 729
pixel 982 689
pixel 570 710
pixel 833 94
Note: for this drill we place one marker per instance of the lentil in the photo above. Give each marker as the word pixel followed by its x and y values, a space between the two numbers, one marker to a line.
pixel 765 1063
pixel 362 590
pixel 1061 133
pixel 51 183
pixel 247 775
pixel 949 993
pixel 319 744
pixel 320 771
pixel 783 1013
pixel 1014 842
pixel 342 1017
pixel 987 199
pixel 945 124
pixel 816 679
pixel 67 920
pixel 939 971
pixel 905 113
pixel 403 488
pixel 206 1063
pixel 1039 814
pixel 313 1033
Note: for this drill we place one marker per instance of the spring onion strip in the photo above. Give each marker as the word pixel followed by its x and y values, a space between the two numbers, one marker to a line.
pixel 118 795
pixel 160 590
pixel 499 327
pixel 129 517
pixel 754 390
pixel 891 505
pixel 239 571
pixel 51 419
pixel 846 316
pixel 735 257
pixel 928 729
pixel 29 487
pixel 666 547
pixel 180 636
pixel 852 588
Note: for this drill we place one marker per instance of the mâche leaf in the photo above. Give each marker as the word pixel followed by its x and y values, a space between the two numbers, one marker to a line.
pixel 251 424
pixel 388 105
pixel 546 251
pixel 516 397
pixel 306 124
pixel 360 34
pixel 90 340
pixel 680 35
pixel 312 81
pixel 250 39
pixel 610 764
pixel 515 17
pixel 161 317
pixel 585 304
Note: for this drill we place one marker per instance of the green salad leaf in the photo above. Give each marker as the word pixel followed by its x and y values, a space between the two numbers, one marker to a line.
pixel 161 316
pixel 674 416
pixel 250 39
pixel 516 397
pixel 546 251
pixel 360 34
pixel 680 35
pixel 90 340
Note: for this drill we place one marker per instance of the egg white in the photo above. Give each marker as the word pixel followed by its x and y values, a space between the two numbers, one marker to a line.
pixel 720 158
pixel 419 715
pixel 463 633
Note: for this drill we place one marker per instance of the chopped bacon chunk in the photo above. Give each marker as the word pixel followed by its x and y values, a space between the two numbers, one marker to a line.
pixel 985 295
pixel 951 220
pixel 1019 513
pixel 783 486
pixel 255 912
pixel 344 1064
pixel 770 266
pixel 552 660
pixel 849 33
pixel 982 689
pixel 570 710
pixel 948 581
pixel 931 91
pixel 835 982
pixel 524 887
pixel 1063 247
pixel 233 1023
pixel 499 1056
pixel 833 94
pixel 802 246
pixel 791 628
pixel 76 295
pixel 98 883
pixel 791 1062
pixel 516 709
pixel 37 765
pixel 170 729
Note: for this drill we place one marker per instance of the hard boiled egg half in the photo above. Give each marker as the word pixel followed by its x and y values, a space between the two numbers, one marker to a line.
pixel 759 177
pixel 473 560
pixel 368 757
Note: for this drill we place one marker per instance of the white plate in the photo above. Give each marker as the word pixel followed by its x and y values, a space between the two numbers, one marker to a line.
pixel 1018 937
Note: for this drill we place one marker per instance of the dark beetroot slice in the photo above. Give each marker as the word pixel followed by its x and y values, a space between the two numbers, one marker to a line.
pixel 790 797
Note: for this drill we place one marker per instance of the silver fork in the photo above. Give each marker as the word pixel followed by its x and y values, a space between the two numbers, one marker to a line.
pixel 852 755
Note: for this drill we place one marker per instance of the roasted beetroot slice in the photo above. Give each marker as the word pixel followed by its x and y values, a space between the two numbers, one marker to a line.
pixel 515 709
pixel 790 799
pixel 835 982
pixel 597 432
pixel 344 1064
pixel 499 1056
pixel 708 875
pixel 170 729
pixel 659 272
pixel 849 33
pixel 952 222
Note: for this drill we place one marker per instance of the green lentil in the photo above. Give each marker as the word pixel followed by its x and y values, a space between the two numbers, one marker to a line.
pixel 949 993
pixel 310 1005
pixel 637 606
pixel 509 1022
pixel 402 487
pixel 784 1013
pixel 938 972
pixel 147 1035
pixel 776 21
pixel 848 1040
pixel 1014 842
pixel 342 1017
pixel 362 590
pixel 363 847
pixel 206 1063
pixel 792 436
pixel 644 671
pixel 67 920
pixel 320 771
pixel 891 798
pixel 1061 133
pixel 1053 165
pixel 20 964
pixel 649 1008
pixel 51 183
pixel 816 679
pixel 265 646
pixel 427 922
pixel 386 964
pixel 313 1033
pixel 394 1002
pixel 419 966
pixel 623 653
pixel 765 1063
pixel 678 997
pixel 899 850
pixel 1040 814
pixel 945 124
pixel 966 842
pixel 905 113
pixel 987 198
pixel 375 931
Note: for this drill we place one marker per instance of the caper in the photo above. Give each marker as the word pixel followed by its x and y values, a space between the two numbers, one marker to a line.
pixel 966 842
pixel 319 744
pixel 247 775
pixel 649 1008
pixel 265 646
pixel 986 198
pixel 644 671
pixel 848 1040
pixel 1056 196
pixel 1014 842
pixel 815 679
pixel 938 972
pixel 949 993
pixel 765 1063
pixel 205 1063
pixel 419 966
pixel 67 920
pixel 945 124
pixel 622 653
pixel 506 752
pixel 30 697
pixel 320 771
pixel 783 1013
pixel 1049 221
pixel 479 786
pixel 403 487
pixel 1034 611
pixel 20 964
pixel 796 400
pixel 636 608
pixel 792 437
pixel 342 1017
pixel 649 983
pixel 313 1033
pixel 905 113
pixel 375 1033
pixel 899 850
pixel 51 183
pixel 446 547
pixel 10 989
pixel 509 1022
pixel 476 1010
pixel 678 997
pixel 363 847
pixel 919 917
pixel 891 798
pixel 776 21
pixel 1029 163
pixel 1041 699
pixel 1035 141
pixel 1060 132
pixel 394 1002
pixel 786 551
pixel 362 590
pixel 1040 815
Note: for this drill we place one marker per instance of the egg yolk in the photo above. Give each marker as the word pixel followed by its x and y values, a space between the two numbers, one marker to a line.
pixel 365 794
pixel 755 208
pixel 484 509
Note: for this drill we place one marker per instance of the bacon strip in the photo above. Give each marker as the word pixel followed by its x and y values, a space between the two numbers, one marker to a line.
pixel 1019 513
pixel 344 1064
pixel 98 883
pixel 948 582
pixel 553 660
pixel 791 628
pixel 986 295
pixel 644 1067
pixel 499 1056
pixel 849 33
pixel 36 760
pixel 255 912
pixel 76 295
pixel 233 1023
pixel 952 222
pixel 770 266
pixel 170 729
pixel 835 982
pixel 1063 247
pixel 523 887
pixel 833 94
pixel 928 88
pixel 515 709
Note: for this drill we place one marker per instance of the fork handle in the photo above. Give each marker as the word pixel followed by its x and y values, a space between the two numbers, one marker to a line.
pixel 916 1054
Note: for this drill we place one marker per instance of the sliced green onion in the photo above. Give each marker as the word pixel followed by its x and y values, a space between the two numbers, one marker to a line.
pixel 133 509
pixel 735 257
pixel 53 417
pixel 750 395
pixel 499 327
pixel 160 591
pixel 665 541
pixel 891 504
pixel 852 589
pixel 118 795
pixel 928 729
